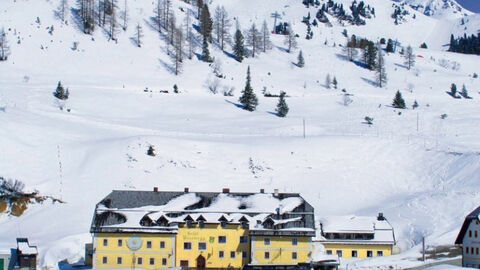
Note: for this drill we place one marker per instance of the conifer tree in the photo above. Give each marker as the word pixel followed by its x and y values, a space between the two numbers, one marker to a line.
pixel 282 107
pixel 290 39
pixel 464 92
pixel 238 46
pixel 266 43
pixel 254 39
pixel 398 101
pixel 301 60
pixel 369 55
pixel 206 23
pixel 409 57
pixel 205 52
pixel 60 92
pixel 335 82
pixel 389 48
pixel 248 99
pixel 453 90
pixel 139 35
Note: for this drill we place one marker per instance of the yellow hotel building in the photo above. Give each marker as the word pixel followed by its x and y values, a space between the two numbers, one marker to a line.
pixel 202 230
pixel 356 237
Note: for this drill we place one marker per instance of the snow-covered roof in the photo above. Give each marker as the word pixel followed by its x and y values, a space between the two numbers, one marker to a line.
pixel 379 229
pixel 24 247
pixel 162 210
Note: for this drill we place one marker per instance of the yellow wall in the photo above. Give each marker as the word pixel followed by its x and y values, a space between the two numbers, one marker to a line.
pixel 209 234
pixel 280 250
pixel 361 249
pixel 112 251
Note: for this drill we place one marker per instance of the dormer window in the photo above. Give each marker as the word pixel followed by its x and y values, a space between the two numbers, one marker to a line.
pixel 189 224
pixel 223 222
pixel 188 221
pixel 162 221
pixel 244 222
pixel 201 224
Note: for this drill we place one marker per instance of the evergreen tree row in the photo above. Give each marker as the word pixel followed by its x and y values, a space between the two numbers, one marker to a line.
pixel 465 44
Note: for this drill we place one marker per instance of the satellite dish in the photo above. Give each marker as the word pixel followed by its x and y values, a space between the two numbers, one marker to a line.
pixel 134 243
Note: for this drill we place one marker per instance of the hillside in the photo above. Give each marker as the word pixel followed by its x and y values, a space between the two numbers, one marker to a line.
pixel 420 170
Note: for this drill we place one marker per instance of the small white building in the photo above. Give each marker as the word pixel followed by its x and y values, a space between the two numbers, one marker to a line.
pixel 469 240
pixel 4 260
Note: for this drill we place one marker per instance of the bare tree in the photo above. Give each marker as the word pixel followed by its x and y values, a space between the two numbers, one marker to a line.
pixel 177 55
pixel 290 39
pixel 4 48
pixel 113 29
pixel 62 10
pixel 87 14
pixel 381 74
pixel 167 12
pixel 221 26
pixel 171 28
pixel 190 38
pixel 139 35
pixel 350 51
pixel 158 11
pixel 125 16
pixel 254 39
pixel 409 57
pixel 266 43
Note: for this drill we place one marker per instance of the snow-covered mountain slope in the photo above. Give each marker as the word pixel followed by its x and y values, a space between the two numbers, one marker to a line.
pixel 420 170
pixel 439 8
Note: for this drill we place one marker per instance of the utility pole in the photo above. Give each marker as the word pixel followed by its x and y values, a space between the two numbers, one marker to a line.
pixel 423 248
pixel 276 16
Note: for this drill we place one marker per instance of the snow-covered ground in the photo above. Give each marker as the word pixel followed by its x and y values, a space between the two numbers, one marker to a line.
pixel 424 180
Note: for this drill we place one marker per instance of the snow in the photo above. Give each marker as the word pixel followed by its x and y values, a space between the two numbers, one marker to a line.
pixel 424 180
pixel 26 249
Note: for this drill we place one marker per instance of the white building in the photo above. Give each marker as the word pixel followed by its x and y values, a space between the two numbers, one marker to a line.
pixel 469 240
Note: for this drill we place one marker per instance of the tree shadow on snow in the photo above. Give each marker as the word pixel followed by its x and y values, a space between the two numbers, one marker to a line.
pixel 166 66
pixel 238 105
pixel 356 62
pixel 371 82
pixel 77 19
pixel 273 113
pixel 400 65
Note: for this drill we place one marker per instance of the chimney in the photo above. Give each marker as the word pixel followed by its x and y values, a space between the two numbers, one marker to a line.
pixel 186 189
pixel 275 192
pixel 380 217
pixel 262 190
pixel 226 190
pixel 155 189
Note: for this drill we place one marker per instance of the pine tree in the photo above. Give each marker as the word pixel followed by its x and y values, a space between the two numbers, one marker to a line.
pixel 369 55
pixel 60 92
pixel 175 89
pixel 4 48
pixel 398 101
pixel 389 48
pixel 453 90
pixel 248 99
pixel 282 107
pixel 415 105
pixel 206 23
pixel 409 57
pixel 381 74
pixel 239 47
pixel 335 82
pixel 301 61
pixel 205 52
pixel 151 151
pixel 464 92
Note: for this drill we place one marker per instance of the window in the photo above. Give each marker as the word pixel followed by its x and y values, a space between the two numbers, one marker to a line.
pixel 164 261
pixel 266 241
pixel 162 244
pixel 187 245
pixel 201 224
pixel 354 253
pixel 149 244
pixel 294 241
pixel 232 254
pixel 119 260
pixel 294 255
pixel 139 260
pixel 339 253
pixel 105 242
pixel 267 255
pixel 476 250
pixel 369 253
pixel 152 261
pixel 244 254
pixel 104 260
pixel 329 252
pixel 243 239
pixel 221 254
pixel 476 234
pixel 189 224
pixel 120 242
pixel 223 224
pixel 202 246
pixel 379 253
pixel 222 239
